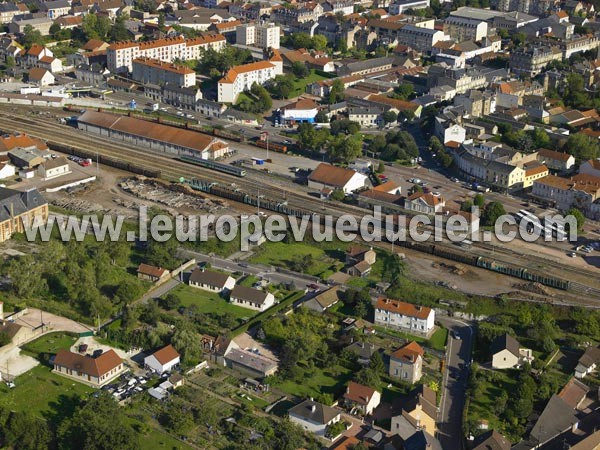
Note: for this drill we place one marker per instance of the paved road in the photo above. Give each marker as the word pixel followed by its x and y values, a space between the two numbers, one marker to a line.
pixel 458 353
pixel 269 273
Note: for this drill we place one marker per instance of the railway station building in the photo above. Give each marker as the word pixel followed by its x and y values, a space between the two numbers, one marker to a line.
pixel 154 136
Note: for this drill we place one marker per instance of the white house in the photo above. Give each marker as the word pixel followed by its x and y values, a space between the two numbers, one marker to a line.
pixel 588 362
pixel 162 360
pixel 362 399
pixel 53 168
pixel 558 160
pixel 251 298
pixel 41 77
pixel 314 417
pixel 304 110
pixel 333 177
pixel 448 131
pixel 406 363
pixel 7 171
pixel 241 78
pixel 404 316
pixel 211 281
pixel 507 354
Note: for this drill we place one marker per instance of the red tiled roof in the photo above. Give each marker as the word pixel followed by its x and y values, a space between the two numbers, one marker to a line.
pixel 406 309
pixel 96 367
pixel 166 354
pixel 410 352
pixel 233 73
pixel 358 393
pixel 331 175
pixel 147 269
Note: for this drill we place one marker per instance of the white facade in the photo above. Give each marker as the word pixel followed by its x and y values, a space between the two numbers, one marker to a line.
pixel 404 316
pixel 48 173
pixel 418 38
pixel 250 304
pixel 153 71
pixel 120 55
pixel 263 35
pixel 154 364
pixel 241 78
pixel 465 29
pixel 7 171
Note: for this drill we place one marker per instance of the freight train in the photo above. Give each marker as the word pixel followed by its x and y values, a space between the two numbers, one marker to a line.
pixel 213 165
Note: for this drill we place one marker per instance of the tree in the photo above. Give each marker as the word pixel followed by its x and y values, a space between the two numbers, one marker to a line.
pixel 127 292
pixel 492 212
pixel 32 36
pixel 338 195
pixel 381 167
pixel 389 117
pixel 415 188
pixel 282 86
pixel 582 147
pixel 479 200
pixel 54 29
pixel 344 126
pixel 319 42
pixel 264 99
pixel 98 424
pixel 299 69
pixel 404 91
pixel 119 32
pixel 579 217
pixel 169 301
pixel 26 277
pixel 301 40
pixel 376 364
pixel 26 432
pixel 288 436
pixel 187 343
pixel 345 148
pixel 162 254
pixel 321 117
pixel 312 139
pixel 336 92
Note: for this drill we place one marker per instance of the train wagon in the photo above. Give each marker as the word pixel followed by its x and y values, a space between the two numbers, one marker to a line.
pixel 280 148
pixel 213 165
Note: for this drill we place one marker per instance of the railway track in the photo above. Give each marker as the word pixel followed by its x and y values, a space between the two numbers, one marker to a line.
pixel 49 129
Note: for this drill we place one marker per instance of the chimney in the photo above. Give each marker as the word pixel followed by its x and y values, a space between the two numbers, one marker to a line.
pixel 347 389
pixel 313 408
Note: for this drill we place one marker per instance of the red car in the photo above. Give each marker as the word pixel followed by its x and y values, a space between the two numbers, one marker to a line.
pixel 85 163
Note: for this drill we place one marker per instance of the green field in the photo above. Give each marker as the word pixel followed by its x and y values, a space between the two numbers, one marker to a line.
pixel 50 343
pixel 321 381
pixel 208 302
pixel 301 83
pixel 437 341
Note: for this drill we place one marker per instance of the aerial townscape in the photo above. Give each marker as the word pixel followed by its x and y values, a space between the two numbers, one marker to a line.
pixel 288 224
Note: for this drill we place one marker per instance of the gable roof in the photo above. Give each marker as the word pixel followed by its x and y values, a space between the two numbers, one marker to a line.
pixel 400 307
pixel 14 203
pixel 10 329
pixel 491 440
pixel 38 73
pixel 506 342
pixel 557 417
pixel 590 356
pixel 233 73
pixel 573 392
pixel 166 354
pixel 11 141
pixel 328 298
pixel 331 175
pixel 314 412
pixel 428 198
pixel 209 277
pixel 96 367
pixel 359 393
pixel 249 294
pixel 153 271
pixel 409 353
pixel 554 155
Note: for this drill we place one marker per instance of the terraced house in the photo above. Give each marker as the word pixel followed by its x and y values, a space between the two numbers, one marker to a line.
pixel 404 316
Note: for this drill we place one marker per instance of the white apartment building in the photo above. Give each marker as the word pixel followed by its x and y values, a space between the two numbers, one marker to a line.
pixel 265 35
pixel 404 316
pixel 154 71
pixel 241 78
pixel 465 29
pixel 420 39
pixel 120 55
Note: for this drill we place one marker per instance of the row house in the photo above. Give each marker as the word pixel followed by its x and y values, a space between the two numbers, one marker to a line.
pixel 532 60
pixel 120 55
pixel 580 191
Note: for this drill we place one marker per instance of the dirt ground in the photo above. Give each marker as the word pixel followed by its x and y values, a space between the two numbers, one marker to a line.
pixel 13 363
pixel 33 319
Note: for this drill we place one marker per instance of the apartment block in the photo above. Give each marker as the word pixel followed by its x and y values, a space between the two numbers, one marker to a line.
pixel 153 71
pixel 259 35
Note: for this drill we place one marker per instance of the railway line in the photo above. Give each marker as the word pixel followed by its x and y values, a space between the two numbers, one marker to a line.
pixel 49 129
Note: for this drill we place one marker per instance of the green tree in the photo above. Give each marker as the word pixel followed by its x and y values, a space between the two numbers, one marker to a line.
pixel 27 432
pixel 479 200
pixel 389 117
pixel 162 254
pixel 579 217
pixel 321 117
pixel 301 40
pixel 169 301
pixel 319 42
pixel 582 147
pixel 99 424
pixel 288 436
pixel 404 91
pixel 32 36
pixel 312 139
pixel 376 364
pixel 187 343
pixel 345 148
pixel 282 86
pixel 492 212
pixel 299 69
pixel 118 31
pixel 26 277
pixel 336 92
pixel 54 29
pixel 381 167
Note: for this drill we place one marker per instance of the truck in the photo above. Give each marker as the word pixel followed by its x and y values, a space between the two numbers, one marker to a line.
pixel 479 187
pixel 155 106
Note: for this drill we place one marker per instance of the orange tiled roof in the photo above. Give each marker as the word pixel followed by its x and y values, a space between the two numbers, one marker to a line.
pixel 406 309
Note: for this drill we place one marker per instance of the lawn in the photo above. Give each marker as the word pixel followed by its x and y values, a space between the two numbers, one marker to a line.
pixel 42 392
pixel 49 343
pixel 322 381
pixel 209 302
pixel 301 83
pixel 436 342
pixel 323 259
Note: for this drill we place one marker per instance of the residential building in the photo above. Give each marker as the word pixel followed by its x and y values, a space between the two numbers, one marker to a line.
pixel 420 412
pixel 314 417
pixel 163 360
pixel 508 354
pixel 344 7
pixel 56 8
pixel 26 158
pixel 465 29
pixel 401 6
pixel 261 35
pixel 7 170
pixel 95 372
pixel 579 191
pixel 425 203
pixel 251 363
pixel 9 10
pixel 41 77
pixel 590 167
pixel 93 74
pixel 300 13
pixel 356 254
pixel 189 98
pixel 363 351
pixel 532 60
pixel 251 298
pixel 241 78
pixel 556 418
pixel 147 272
pixel 588 362
pixel 324 300
pixel 314 60
pixel 302 110
pixel 154 71
pixel 333 177
pixel 491 440
pixel 366 67
pixel 367 116
pixel 53 168
pixel 212 281
pixel 419 38
pixel 406 363
pixel 157 137
pixel 404 316
pixel 12 141
pixel 533 171
pixel 403 107
pixel 120 55
pixel 447 131
pixel 361 399
pixel 504 176
pixel 559 161
pixel 476 103
pixel 37 21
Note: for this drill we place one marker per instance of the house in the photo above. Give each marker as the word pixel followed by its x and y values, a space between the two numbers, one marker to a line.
pixel 251 298
pixel 163 360
pixel 41 77
pixel 421 202
pixel 356 254
pixel 210 280
pixel 333 177
pixel 7 170
pixel 587 362
pixel 53 168
pixel 406 363
pixel 314 416
pixel 324 300
pixel 419 411
pixel 363 351
pixel 303 110
pixel 491 440
pixel 151 273
pixel 556 418
pixel 17 334
pixel 20 209
pixel 361 399
pixel 574 392
pixel 508 354
pixel 249 362
pixel 554 160
pixel 84 368
pixel 533 171
pixel 590 167
pixel 404 316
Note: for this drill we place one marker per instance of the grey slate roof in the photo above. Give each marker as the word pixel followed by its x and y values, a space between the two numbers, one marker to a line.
pixel 491 440
pixel 17 202
pixel 557 417
pixel 249 294
pixel 209 277
pixel 506 341
pixel 314 412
